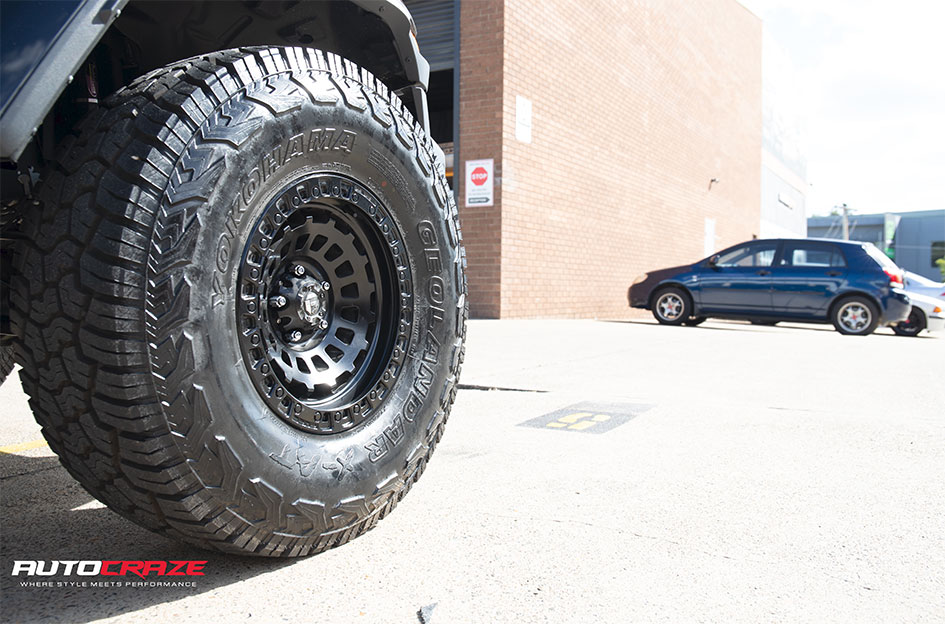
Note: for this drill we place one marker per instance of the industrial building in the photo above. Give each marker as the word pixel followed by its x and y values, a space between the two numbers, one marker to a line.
pixel 602 139
pixel 915 240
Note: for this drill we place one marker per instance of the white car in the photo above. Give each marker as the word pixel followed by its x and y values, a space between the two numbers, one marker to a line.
pixel 916 284
pixel 927 313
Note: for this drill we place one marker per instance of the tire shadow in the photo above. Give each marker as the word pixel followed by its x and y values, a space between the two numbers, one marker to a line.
pixel 46 515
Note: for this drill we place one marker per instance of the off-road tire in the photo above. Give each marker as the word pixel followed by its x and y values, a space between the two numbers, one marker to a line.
pixel 671 306
pixel 132 283
pixel 6 362
pixel 860 305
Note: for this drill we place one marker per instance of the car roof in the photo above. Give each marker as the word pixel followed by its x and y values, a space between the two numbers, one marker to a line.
pixel 806 240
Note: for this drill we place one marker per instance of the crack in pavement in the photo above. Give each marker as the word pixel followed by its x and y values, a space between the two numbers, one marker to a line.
pixel 489 388
pixel 26 474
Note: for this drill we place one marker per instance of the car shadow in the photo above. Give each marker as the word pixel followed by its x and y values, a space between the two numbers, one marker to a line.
pixel 735 325
pixel 654 324
pixel 46 515
pixel 740 326
pixel 891 334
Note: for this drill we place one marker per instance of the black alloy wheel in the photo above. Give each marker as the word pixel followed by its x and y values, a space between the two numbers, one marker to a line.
pixel 318 305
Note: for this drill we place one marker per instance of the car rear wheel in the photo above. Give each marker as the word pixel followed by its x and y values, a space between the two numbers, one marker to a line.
pixel 913 325
pixel 855 316
pixel 671 306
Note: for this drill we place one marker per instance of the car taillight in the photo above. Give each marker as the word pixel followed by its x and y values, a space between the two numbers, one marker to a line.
pixel 895 278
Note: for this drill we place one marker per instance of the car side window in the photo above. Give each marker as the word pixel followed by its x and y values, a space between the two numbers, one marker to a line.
pixel 816 255
pixel 754 255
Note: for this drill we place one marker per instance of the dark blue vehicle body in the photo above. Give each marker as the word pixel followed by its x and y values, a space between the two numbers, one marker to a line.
pixel 801 280
pixel 48 45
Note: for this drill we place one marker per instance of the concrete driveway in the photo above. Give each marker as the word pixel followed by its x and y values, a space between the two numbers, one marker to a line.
pixel 591 472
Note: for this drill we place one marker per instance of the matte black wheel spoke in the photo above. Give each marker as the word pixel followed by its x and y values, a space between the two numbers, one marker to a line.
pixel 319 306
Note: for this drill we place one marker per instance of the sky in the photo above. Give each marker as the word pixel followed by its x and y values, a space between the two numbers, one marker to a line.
pixel 868 92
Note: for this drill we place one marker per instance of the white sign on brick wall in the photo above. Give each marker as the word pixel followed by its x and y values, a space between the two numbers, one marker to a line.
pixel 523 119
pixel 479 182
pixel 708 244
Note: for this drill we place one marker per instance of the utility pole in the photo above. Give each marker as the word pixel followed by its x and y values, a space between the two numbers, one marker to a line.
pixel 846 221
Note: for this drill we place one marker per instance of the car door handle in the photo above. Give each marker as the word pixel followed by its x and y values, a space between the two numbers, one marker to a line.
pixel 763 272
pixel 834 273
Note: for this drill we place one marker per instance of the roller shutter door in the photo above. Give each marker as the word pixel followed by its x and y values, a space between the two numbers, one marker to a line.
pixel 435 20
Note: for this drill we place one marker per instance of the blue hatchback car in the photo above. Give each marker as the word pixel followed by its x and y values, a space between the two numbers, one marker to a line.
pixel 850 284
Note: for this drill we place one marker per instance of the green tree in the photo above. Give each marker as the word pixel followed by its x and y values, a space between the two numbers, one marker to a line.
pixel 941 266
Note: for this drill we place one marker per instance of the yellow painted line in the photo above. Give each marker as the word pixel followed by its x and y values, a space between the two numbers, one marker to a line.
pixel 556 424
pixel 24 446
pixel 601 418
pixel 573 418
pixel 585 424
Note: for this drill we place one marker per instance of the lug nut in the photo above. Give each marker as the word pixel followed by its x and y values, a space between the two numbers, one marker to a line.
pixel 278 302
pixel 326 285
pixel 299 270
pixel 323 324
pixel 295 336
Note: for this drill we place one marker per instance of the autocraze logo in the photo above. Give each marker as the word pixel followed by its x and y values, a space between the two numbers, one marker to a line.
pixel 142 569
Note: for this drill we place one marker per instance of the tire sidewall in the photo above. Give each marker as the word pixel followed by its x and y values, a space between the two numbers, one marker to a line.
pixel 294 463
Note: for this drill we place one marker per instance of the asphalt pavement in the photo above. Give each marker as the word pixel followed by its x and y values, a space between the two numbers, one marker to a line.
pixel 590 472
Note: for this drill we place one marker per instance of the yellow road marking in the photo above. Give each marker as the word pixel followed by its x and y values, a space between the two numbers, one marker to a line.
pixel 573 418
pixel 23 446
pixel 578 421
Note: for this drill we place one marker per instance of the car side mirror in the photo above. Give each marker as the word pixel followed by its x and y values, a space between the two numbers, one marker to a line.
pixel 714 260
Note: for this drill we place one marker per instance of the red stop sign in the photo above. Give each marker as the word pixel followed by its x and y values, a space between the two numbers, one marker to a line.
pixel 479 176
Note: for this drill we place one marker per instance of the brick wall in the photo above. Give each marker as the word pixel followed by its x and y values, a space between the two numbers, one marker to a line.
pixel 480 122
pixel 636 107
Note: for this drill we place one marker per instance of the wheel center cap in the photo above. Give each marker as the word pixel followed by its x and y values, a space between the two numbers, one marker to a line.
pixel 311 303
